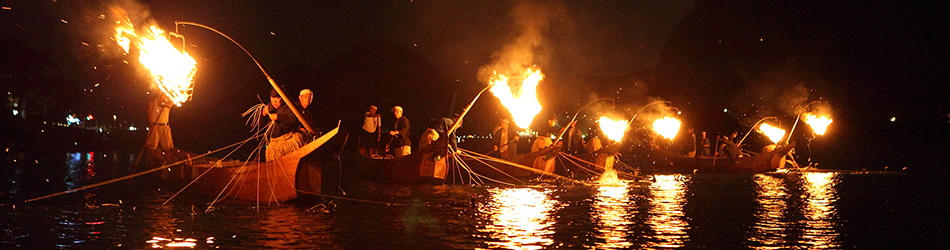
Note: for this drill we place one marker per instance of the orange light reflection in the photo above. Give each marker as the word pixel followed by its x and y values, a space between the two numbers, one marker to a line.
pixel 770 226
pixel 667 197
pixel 610 205
pixel 819 210
pixel 520 218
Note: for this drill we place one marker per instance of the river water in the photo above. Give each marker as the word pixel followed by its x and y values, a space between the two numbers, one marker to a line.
pixel 838 210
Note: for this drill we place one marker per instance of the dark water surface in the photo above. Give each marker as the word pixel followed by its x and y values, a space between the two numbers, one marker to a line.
pixel 740 210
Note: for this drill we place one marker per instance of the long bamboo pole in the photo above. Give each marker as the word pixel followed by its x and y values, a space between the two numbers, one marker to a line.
pixel 561 135
pixel 306 124
pixel 458 122
pixel 753 127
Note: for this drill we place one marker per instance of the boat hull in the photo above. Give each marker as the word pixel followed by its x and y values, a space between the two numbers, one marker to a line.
pixel 766 161
pixel 246 182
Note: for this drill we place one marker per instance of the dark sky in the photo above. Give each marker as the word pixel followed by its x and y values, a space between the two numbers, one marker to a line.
pixel 869 61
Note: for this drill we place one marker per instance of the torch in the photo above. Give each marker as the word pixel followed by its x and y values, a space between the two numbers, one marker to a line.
pixel 753 127
pixel 817 121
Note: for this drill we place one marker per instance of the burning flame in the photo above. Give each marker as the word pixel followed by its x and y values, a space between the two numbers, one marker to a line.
pixel 667 127
pixel 613 129
pixel 775 134
pixel 818 123
pixel 521 101
pixel 173 70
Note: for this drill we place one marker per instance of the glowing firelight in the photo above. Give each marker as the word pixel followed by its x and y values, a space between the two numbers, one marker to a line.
pixel 173 70
pixel 775 134
pixel 613 129
pixel 522 100
pixel 819 124
pixel 667 127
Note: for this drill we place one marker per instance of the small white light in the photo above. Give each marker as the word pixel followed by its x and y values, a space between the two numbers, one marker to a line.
pixel 893 118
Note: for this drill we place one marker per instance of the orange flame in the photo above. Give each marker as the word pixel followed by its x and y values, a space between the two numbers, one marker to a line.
pixel 773 133
pixel 613 129
pixel 173 70
pixel 818 123
pixel 667 127
pixel 521 101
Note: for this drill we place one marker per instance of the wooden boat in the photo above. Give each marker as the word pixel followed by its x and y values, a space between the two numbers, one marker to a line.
pixel 265 182
pixel 766 161
pixel 418 167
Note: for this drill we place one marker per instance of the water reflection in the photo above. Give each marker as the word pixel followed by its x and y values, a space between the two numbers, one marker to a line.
pixel 80 166
pixel 819 210
pixel 667 220
pixel 612 216
pixel 800 212
pixel 770 226
pixel 520 218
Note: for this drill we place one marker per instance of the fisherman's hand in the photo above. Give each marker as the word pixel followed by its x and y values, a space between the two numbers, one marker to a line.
pixel 265 109
pixel 273 117
pixel 393 133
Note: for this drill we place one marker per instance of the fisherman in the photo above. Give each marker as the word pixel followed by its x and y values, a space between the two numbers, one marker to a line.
pixel 159 133
pixel 545 162
pixel 306 98
pixel 727 138
pixel 690 143
pixel 283 135
pixel 369 138
pixel 436 155
pixel 706 146
pixel 400 134
pixel 575 141
pixel 500 139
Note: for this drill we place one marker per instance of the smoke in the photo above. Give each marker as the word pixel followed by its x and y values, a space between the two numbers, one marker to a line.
pixel 532 19
pixel 780 91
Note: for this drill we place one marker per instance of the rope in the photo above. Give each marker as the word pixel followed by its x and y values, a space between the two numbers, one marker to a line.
pixel 493 167
pixel 353 199
pixel 526 168
pixel 206 171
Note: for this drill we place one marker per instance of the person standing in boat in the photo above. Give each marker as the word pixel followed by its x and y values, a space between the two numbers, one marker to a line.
pixel 159 139
pixel 400 133
pixel 690 146
pixel 369 138
pixel 706 147
pixel 306 98
pixel 545 162
pixel 283 134
pixel 500 139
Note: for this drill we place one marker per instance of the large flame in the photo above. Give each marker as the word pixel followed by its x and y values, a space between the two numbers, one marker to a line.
pixel 775 134
pixel 521 101
pixel 667 127
pixel 613 129
pixel 173 70
pixel 818 123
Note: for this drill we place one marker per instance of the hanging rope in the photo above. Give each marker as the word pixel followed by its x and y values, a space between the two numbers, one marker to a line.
pixel 206 171
pixel 493 167
pixel 557 176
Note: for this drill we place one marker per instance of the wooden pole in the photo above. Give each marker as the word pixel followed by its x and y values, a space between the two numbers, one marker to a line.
pixel 273 83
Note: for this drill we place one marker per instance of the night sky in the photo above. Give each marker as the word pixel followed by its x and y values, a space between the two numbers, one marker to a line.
pixel 868 61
